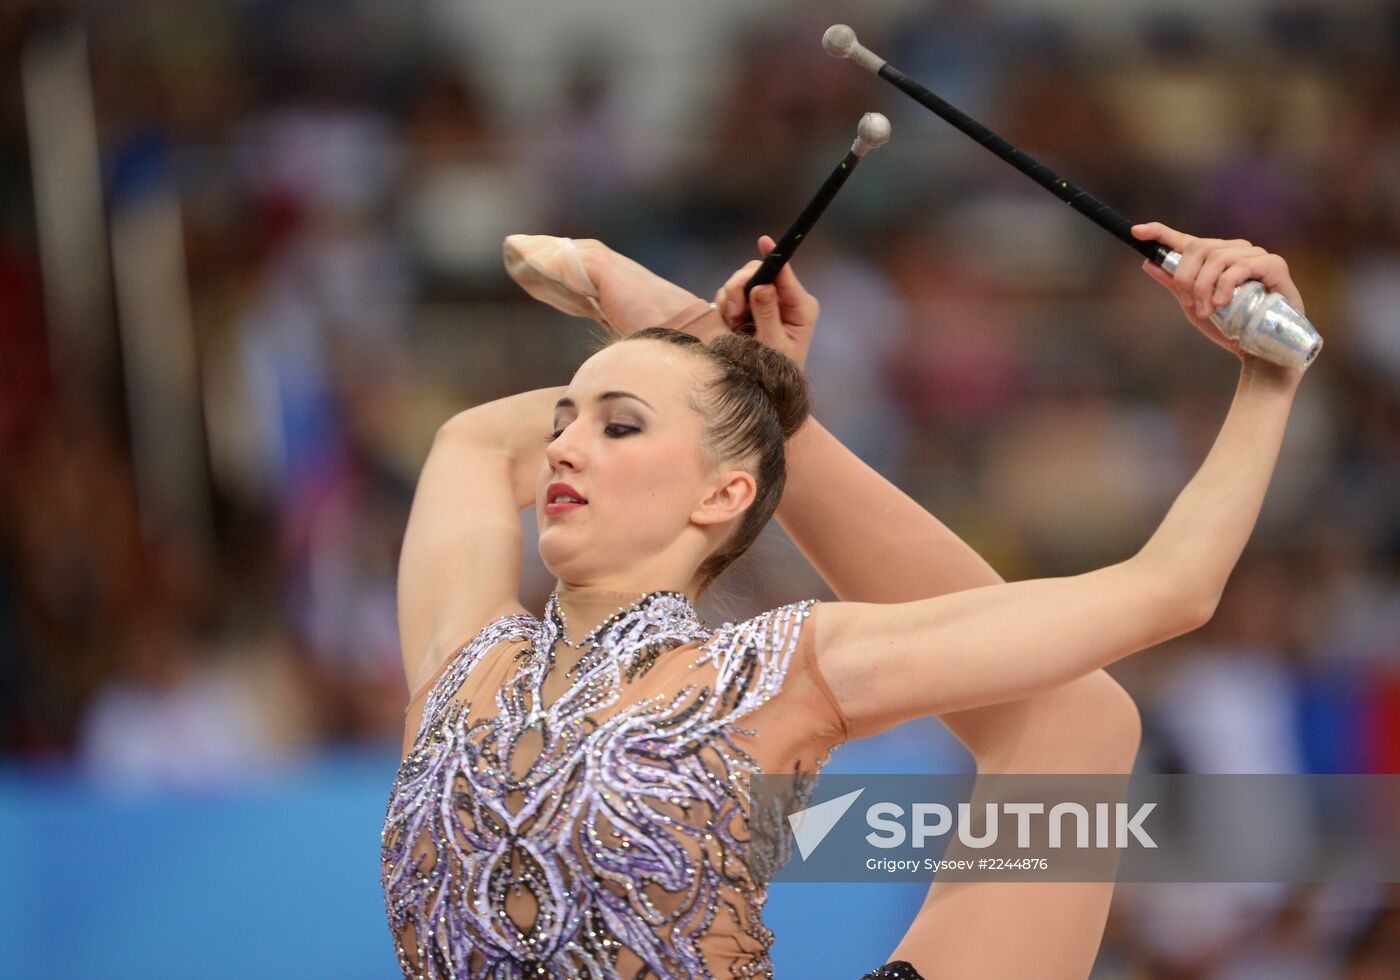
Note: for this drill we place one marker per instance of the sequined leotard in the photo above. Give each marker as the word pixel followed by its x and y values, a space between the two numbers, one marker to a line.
pixel 590 820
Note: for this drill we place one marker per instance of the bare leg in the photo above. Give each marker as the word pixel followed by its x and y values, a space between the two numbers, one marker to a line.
pixel 1050 930
pixel 634 297
pixel 584 277
pixel 887 548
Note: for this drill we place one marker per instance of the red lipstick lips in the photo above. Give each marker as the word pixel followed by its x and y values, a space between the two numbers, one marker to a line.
pixel 557 499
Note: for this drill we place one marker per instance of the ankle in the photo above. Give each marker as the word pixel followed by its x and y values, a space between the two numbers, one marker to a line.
pixel 595 257
pixel 699 319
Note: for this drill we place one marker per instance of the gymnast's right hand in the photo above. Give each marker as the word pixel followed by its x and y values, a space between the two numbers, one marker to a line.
pixel 784 314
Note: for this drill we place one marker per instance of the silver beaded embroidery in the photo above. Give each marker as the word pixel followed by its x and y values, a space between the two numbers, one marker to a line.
pixel 593 779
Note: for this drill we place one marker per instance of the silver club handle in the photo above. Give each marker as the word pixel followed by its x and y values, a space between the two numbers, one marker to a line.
pixel 1263 323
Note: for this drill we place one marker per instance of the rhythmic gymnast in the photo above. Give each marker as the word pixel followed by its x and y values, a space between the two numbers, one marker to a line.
pixel 571 801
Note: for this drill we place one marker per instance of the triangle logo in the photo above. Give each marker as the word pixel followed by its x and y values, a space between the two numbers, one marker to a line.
pixel 810 826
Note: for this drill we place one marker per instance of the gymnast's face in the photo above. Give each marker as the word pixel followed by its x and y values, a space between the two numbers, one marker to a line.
pixel 629 439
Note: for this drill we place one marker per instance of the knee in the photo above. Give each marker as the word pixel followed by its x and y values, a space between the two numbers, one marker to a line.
pixel 1109 724
pixel 1090 725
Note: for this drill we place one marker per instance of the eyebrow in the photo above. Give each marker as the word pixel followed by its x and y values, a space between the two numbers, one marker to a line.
pixel 606 396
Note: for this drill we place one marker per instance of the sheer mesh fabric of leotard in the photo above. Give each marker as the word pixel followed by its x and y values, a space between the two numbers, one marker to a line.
pixel 593 822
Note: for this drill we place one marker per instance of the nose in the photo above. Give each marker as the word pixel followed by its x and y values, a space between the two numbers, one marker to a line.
pixel 565 452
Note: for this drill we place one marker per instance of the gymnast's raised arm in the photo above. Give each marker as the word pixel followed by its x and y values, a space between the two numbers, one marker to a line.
pixel 1008 641
pixel 459 567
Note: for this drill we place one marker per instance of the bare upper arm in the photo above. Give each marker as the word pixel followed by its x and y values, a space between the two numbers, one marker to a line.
pixel 887 663
pixel 460 564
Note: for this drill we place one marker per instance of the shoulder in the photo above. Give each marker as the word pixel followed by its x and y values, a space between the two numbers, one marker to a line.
pixel 771 636
pixel 506 621
pixel 791 616
pixel 765 654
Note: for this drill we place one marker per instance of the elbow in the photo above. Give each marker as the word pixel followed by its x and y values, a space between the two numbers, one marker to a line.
pixel 1201 610
pixel 1182 601
pixel 460 424
pixel 1184 611
pixel 467 428
pixel 1181 613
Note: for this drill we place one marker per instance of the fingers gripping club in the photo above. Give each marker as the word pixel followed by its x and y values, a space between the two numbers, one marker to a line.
pixel 873 131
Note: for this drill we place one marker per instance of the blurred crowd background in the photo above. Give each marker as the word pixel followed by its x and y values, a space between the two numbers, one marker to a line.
pixel 250 259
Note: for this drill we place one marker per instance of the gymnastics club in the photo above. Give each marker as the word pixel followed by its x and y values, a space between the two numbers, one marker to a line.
pixel 1263 323
pixel 873 131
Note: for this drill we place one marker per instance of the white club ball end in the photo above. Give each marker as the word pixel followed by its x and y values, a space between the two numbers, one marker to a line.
pixel 839 41
pixel 873 131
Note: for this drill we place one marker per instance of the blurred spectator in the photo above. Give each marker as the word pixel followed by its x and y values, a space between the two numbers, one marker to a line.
pixel 168 719
pixel 465 190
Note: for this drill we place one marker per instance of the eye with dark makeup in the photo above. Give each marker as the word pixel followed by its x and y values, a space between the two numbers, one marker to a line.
pixel 614 430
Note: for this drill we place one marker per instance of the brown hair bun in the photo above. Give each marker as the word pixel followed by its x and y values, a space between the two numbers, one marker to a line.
pixel 775 374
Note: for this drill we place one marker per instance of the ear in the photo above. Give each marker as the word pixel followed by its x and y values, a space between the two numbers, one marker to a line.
pixel 728 498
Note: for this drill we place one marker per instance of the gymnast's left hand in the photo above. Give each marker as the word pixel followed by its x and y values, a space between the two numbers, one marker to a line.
pixel 784 313
pixel 1209 271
